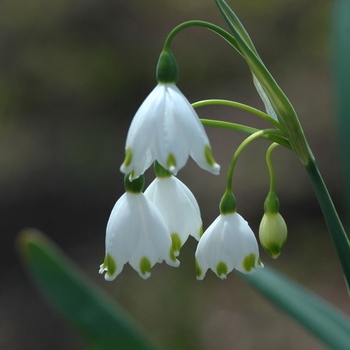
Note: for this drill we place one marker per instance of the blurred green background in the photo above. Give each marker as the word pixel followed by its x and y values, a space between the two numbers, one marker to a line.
pixel 72 75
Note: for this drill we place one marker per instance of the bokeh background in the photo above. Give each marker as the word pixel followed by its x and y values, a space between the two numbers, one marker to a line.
pixel 72 75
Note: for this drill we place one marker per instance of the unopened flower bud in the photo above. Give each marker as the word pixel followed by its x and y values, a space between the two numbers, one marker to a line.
pixel 273 233
pixel 273 229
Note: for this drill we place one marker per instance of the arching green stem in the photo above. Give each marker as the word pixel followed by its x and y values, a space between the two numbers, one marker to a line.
pixel 237 105
pixel 273 135
pixel 270 167
pixel 196 23
pixel 239 150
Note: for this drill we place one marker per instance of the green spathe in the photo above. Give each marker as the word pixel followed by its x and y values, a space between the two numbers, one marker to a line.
pixel 167 68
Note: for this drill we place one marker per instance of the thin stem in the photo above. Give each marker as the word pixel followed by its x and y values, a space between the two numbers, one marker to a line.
pixel 335 227
pixel 239 150
pixel 270 167
pixel 237 105
pixel 196 23
pixel 273 135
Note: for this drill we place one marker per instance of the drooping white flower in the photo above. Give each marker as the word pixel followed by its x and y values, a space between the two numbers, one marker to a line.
pixel 227 244
pixel 178 207
pixel 166 128
pixel 136 233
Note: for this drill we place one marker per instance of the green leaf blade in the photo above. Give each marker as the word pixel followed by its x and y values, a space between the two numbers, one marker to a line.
pixel 321 318
pixel 92 313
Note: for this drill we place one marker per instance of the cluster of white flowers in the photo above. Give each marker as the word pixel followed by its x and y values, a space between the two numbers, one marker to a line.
pixel 146 228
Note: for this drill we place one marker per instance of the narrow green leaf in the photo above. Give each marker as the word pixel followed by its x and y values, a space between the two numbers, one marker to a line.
pixel 321 318
pixel 340 239
pixel 341 71
pixel 92 313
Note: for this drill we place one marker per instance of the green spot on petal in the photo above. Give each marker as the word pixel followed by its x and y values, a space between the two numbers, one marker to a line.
pixel 209 156
pixel 128 157
pixel 171 254
pixel 249 262
pixel 145 266
pixel 201 231
pixel 171 161
pixel 110 264
pixel 176 242
pixel 198 270
pixel 221 269
pixel 260 262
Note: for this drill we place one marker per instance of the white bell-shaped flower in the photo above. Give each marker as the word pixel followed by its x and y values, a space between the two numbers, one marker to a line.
pixel 177 205
pixel 136 233
pixel 166 128
pixel 227 244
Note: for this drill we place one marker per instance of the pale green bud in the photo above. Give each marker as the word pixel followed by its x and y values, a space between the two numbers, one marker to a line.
pixel 273 233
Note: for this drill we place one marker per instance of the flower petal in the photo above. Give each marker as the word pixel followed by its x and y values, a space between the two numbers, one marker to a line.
pixel 178 207
pixel 228 243
pixel 120 246
pixel 167 128
pixel 136 232
pixel 244 245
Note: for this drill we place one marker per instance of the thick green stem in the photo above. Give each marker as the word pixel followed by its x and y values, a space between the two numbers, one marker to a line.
pixel 335 227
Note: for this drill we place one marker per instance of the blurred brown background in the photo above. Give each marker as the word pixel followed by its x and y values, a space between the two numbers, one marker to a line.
pixel 72 75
